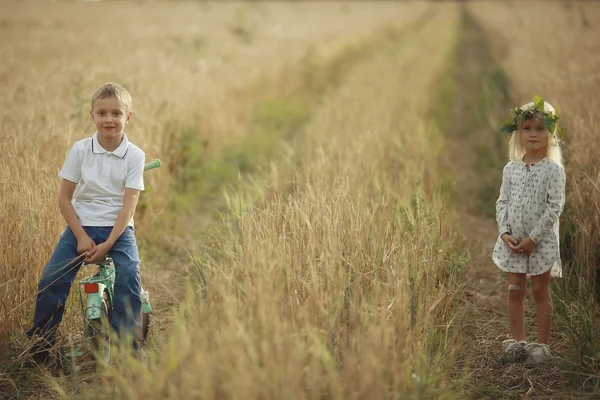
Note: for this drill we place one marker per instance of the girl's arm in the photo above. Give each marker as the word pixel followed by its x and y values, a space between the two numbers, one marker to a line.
pixel 502 203
pixel 554 205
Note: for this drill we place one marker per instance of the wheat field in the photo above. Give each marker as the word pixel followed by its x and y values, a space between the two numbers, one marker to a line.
pixel 190 72
pixel 315 231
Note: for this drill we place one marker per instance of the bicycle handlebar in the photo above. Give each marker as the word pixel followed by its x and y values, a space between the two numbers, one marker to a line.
pixel 152 164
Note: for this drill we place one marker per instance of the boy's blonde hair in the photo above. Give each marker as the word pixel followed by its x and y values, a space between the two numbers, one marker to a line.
pixel 115 90
pixel 516 151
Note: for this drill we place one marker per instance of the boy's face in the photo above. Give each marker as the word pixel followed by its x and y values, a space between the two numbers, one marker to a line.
pixel 534 135
pixel 110 117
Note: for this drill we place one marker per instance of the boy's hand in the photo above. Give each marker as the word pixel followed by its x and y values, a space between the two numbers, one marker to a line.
pixel 527 246
pixel 97 253
pixel 511 242
pixel 85 244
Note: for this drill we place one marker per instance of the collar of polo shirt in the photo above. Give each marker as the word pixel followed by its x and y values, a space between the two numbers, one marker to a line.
pixel 119 151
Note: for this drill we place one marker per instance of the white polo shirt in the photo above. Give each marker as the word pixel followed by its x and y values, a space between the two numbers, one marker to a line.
pixel 102 177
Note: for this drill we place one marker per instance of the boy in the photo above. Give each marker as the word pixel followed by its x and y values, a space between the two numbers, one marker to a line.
pixel 101 182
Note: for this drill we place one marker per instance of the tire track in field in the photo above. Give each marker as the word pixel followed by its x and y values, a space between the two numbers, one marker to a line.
pixel 167 280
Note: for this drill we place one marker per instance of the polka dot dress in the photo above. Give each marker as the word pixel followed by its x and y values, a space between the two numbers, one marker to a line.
pixel 530 203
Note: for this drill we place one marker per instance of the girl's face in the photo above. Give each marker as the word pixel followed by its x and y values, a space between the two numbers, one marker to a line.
pixel 533 135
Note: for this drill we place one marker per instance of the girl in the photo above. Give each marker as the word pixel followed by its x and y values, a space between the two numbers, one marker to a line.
pixel 531 200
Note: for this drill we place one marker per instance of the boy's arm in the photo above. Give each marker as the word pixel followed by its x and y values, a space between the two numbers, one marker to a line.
pixel 130 200
pixel 65 195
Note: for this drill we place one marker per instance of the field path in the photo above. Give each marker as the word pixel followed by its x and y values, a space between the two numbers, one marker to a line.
pixel 477 160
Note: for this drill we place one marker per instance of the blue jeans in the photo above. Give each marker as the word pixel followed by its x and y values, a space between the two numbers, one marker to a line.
pixel 58 276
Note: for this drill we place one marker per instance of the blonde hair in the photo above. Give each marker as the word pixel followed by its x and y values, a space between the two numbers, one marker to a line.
pixel 115 90
pixel 516 151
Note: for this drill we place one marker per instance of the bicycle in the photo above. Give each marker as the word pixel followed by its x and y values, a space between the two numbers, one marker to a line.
pixel 99 289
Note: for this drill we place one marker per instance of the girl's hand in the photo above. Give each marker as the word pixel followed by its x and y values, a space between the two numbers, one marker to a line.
pixel 511 242
pixel 527 246
pixel 85 244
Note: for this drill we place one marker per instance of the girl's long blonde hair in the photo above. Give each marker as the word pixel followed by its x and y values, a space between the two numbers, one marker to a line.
pixel 516 151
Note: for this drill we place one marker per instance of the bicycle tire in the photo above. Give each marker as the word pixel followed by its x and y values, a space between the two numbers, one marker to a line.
pixel 99 331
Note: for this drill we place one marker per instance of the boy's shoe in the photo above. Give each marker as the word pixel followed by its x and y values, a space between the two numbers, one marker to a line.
pixel 538 352
pixel 44 358
pixel 37 357
pixel 41 357
pixel 514 351
pixel 141 355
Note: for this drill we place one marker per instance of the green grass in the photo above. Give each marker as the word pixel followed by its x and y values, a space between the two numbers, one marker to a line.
pixel 276 118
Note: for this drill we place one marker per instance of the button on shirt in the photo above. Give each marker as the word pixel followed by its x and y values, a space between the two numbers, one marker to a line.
pixel 102 177
pixel 530 203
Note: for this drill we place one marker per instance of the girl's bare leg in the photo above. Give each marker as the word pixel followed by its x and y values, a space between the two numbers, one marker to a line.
pixel 517 286
pixel 541 293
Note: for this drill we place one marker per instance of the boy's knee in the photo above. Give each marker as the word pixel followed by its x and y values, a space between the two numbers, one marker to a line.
pixel 43 283
pixel 128 279
pixel 516 292
pixel 47 282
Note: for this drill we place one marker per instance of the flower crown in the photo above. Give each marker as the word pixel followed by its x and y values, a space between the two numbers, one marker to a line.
pixel 549 118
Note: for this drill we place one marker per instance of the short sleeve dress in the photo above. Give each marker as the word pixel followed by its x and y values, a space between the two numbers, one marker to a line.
pixel 530 203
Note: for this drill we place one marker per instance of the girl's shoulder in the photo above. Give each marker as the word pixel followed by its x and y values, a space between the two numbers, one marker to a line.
pixel 509 166
pixel 554 166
